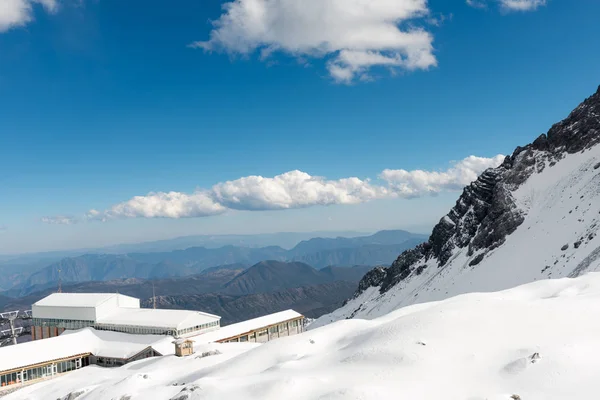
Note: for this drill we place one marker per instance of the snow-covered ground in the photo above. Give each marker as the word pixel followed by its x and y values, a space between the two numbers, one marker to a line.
pixel 561 206
pixel 539 341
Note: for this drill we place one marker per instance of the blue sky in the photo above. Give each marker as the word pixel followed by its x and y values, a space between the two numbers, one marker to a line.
pixel 105 100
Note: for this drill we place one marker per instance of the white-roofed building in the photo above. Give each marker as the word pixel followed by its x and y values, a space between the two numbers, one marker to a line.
pixel 58 312
pixel 74 350
pixel 170 322
pixel 138 333
pixel 261 329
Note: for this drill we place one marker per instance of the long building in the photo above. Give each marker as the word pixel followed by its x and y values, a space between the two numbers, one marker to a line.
pixel 257 330
pixel 58 312
pixel 73 350
pixel 111 330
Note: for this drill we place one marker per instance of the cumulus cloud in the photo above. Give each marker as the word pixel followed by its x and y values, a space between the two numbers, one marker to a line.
pixel 162 205
pixel 60 220
pixel 510 5
pixel 353 35
pixel 292 190
pixel 15 13
pixel 418 183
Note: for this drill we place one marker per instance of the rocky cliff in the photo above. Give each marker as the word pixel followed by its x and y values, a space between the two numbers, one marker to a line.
pixel 530 193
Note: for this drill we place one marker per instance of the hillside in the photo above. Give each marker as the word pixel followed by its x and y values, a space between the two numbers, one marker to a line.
pixel 269 276
pixel 312 301
pixel 534 217
pixel 534 342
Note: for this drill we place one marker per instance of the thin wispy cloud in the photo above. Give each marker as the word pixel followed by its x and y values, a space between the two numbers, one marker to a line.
pixel 509 5
pixel 60 220
pixel 353 36
pixel 292 190
pixel 16 13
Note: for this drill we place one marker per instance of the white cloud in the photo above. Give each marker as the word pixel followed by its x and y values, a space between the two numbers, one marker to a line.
pixel 162 205
pixel 510 5
pixel 15 13
pixel 292 190
pixel 353 35
pixel 295 189
pixel 477 3
pixel 419 183
pixel 522 5
pixel 60 220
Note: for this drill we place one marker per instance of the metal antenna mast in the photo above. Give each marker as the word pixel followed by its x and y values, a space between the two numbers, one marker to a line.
pixel 59 283
pixel 153 297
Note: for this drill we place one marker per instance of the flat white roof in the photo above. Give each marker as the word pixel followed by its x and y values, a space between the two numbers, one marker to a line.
pixel 148 317
pixel 87 340
pixel 246 326
pixel 76 299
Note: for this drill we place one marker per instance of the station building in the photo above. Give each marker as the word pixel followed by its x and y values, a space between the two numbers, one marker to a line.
pixel 115 312
pixel 110 330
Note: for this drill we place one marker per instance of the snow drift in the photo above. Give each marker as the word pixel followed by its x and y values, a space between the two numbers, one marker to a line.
pixel 537 342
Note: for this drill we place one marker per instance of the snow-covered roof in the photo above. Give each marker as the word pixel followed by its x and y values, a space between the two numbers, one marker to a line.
pixel 147 317
pixel 76 299
pixel 240 328
pixel 83 341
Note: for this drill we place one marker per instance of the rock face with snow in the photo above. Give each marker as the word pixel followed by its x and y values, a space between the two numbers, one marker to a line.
pixel 546 190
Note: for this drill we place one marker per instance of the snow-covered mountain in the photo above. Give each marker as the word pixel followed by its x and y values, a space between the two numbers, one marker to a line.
pixel 536 342
pixel 534 217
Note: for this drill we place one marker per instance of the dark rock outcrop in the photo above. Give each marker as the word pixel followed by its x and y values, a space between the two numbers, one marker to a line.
pixel 485 213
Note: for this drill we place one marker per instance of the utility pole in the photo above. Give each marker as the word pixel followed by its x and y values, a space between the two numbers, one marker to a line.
pixel 153 297
pixel 59 283
pixel 13 334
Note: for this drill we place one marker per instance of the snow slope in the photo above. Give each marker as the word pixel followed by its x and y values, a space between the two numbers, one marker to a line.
pixel 561 206
pixel 537 341
pixel 534 217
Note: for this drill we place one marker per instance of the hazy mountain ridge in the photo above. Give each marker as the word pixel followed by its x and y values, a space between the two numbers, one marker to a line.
pixel 16 267
pixel 98 267
pixel 534 217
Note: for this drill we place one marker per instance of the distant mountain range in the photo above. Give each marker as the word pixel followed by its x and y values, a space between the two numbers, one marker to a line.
pixel 378 249
pixel 232 291
pixel 15 268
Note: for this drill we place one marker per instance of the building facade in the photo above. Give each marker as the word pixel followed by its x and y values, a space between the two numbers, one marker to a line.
pixel 43 370
pixel 267 333
pixel 114 312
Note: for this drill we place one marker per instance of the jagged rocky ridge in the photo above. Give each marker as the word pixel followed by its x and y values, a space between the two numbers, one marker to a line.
pixel 486 213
